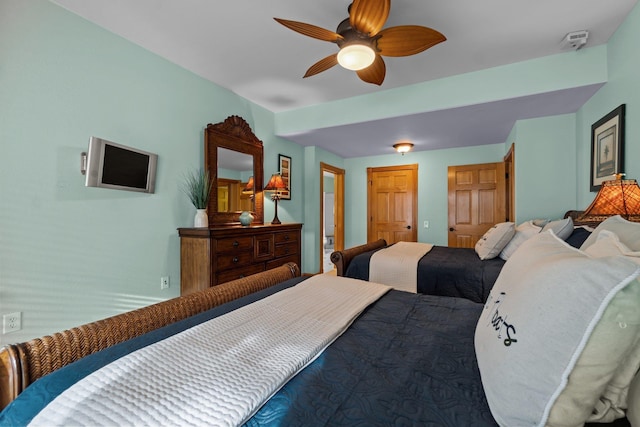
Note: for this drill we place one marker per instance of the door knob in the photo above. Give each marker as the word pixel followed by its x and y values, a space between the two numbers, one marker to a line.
pixel 452 229
pixel 408 227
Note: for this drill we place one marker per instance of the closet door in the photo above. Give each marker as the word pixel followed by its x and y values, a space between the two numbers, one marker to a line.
pixel 476 201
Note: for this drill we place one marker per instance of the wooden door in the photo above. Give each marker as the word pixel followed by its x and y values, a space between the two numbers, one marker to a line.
pixel 476 201
pixel 392 207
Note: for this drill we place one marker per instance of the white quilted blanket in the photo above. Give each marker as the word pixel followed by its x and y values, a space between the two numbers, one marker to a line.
pixel 397 265
pixel 220 372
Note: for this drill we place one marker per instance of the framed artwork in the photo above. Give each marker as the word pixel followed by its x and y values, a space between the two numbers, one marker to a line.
pixel 607 147
pixel 284 163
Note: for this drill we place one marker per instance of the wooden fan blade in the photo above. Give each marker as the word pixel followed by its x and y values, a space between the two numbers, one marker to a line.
pixel 310 30
pixel 368 16
pixel 375 72
pixel 322 65
pixel 407 40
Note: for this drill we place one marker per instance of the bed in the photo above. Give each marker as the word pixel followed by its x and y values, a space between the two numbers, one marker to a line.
pixel 406 359
pixel 444 271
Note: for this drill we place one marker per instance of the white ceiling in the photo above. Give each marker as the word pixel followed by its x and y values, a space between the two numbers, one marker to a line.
pixel 237 45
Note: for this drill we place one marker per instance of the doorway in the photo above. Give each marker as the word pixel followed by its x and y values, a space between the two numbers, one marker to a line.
pixel 331 214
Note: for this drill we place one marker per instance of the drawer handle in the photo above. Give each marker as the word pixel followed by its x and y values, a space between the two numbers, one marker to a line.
pixel 286 251
pixel 235 243
pixel 235 259
pixel 286 237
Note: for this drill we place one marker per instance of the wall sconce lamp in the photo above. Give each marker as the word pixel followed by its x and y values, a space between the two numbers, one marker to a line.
pixel 403 147
pixel 616 197
pixel 275 186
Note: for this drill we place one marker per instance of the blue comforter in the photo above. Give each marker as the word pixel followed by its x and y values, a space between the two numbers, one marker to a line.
pixel 407 360
pixel 444 271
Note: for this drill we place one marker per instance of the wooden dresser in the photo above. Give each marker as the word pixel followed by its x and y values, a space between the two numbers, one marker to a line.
pixel 211 256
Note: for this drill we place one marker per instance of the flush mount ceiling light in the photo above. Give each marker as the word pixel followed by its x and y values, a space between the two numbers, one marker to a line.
pixel 403 147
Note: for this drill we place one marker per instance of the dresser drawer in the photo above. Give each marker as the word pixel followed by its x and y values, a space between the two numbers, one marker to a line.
pixel 233 244
pixel 239 273
pixel 285 249
pixel 286 237
pixel 234 260
pixel 281 261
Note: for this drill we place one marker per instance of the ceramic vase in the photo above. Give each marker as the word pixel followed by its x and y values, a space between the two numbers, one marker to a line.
pixel 246 218
pixel 201 219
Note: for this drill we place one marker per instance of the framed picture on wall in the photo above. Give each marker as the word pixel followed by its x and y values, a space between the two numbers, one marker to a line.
pixel 607 147
pixel 284 163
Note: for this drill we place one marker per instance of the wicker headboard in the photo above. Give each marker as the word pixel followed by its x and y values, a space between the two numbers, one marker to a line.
pixel 23 363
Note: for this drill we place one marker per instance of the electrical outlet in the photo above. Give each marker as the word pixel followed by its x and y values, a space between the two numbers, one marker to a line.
pixel 11 322
pixel 164 282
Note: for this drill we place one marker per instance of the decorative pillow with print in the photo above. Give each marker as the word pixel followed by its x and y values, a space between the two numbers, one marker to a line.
pixel 494 240
pixel 548 302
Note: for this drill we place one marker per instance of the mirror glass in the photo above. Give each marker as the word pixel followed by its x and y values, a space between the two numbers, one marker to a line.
pixel 235 169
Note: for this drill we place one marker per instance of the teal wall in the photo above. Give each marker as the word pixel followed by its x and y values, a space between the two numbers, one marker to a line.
pixel 623 87
pixel 432 188
pixel 71 254
pixel 545 165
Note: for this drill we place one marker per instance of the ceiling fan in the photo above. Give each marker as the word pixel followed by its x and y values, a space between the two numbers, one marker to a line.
pixel 362 41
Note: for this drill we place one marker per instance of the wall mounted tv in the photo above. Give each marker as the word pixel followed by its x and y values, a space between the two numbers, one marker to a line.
pixel 119 167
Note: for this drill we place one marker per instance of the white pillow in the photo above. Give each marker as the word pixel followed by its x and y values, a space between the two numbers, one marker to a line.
pixel 494 240
pixel 614 398
pixel 608 244
pixel 561 228
pixel 524 231
pixel 627 231
pixel 547 302
pixel 633 415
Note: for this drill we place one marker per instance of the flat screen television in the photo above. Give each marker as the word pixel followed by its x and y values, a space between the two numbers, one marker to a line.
pixel 116 166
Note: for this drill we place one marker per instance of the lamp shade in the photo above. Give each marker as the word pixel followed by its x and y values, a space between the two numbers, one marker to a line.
pixel 248 189
pixel 275 183
pixel 616 197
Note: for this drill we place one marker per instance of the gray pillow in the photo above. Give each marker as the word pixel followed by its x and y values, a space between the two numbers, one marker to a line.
pixel 551 305
pixel 561 228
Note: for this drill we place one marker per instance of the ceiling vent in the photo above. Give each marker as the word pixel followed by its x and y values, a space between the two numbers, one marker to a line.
pixel 575 40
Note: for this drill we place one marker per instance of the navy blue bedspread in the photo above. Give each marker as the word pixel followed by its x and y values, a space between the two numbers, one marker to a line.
pixel 408 360
pixel 445 271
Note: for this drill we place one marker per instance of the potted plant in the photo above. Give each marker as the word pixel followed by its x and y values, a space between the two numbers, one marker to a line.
pixel 197 186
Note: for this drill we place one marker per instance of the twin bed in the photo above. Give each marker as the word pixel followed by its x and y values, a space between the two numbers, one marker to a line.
pixel 404 359
pixel 444 271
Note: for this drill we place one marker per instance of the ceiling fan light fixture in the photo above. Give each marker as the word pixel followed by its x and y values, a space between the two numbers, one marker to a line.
pixel 356 56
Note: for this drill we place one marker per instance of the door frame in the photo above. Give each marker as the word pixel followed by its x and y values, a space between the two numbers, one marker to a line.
pixel 338 206
pixel 370 201
pixel 510 170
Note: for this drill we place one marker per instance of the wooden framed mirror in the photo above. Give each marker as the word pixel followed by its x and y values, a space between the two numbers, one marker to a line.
pixel 234 157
